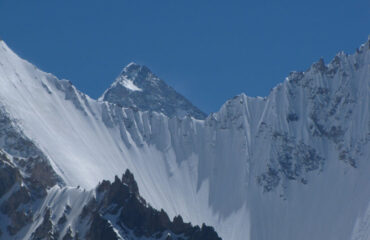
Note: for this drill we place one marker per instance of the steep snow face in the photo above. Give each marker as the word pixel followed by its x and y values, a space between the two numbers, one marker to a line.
pixel 293 165
pixel 113 210
pixel 138 87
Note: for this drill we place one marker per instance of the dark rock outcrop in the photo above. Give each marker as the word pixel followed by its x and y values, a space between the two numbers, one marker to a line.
pixel 20 190
pixel 100 229
pixel 8 175
pixel 115 210
pixel 133 216
pixel 45 230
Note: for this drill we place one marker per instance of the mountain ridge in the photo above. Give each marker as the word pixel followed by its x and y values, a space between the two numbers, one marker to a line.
pixel 137 86
pixel 256 164
pixel 110 211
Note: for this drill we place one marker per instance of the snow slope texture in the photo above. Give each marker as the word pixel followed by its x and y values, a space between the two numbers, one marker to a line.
pixel 293 165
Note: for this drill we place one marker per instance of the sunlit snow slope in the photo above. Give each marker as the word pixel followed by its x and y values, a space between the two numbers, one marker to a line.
pixel 293 165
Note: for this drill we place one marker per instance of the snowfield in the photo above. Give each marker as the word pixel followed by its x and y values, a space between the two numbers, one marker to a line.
pixel 293 165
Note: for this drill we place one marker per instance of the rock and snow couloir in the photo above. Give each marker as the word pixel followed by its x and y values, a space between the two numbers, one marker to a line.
pixel 292 165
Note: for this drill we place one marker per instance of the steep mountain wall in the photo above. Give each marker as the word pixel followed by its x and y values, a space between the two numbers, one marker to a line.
pixel 293 165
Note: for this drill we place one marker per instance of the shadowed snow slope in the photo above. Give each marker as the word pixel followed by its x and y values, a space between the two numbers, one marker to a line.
pixel 293 165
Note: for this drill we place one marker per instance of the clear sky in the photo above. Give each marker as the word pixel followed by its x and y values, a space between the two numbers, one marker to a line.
pixel 209 50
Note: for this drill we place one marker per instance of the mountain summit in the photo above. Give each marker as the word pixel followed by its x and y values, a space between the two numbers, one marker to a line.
pixel 292 165
pixel 138 87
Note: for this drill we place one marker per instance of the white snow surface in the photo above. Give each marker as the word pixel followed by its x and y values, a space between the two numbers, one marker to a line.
pixel 208 170
pixel 129 84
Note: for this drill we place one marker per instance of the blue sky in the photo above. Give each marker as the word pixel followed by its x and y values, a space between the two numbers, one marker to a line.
pixel 209 51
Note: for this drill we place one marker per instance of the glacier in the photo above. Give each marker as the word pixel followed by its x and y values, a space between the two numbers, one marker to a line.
pixel 292 165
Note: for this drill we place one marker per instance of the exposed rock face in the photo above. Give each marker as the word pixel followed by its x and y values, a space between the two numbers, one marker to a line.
pixel 101 229
pixel 293 161
pixel 25 176
pixel 68 235
pixel 252 169
pixel 26 156
pixel 45 230
pixel 138 87
pixel 8 175
pixel 14 195
pixel 113 211
pixel 134 217
pixel 20 190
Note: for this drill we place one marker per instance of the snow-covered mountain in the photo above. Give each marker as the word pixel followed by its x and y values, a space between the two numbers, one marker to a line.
pixel 292 165
pixel 138 87
pixel 111 211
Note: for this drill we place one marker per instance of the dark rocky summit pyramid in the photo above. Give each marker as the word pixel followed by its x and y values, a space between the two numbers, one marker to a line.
pixel 138 87
pixel 292 165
